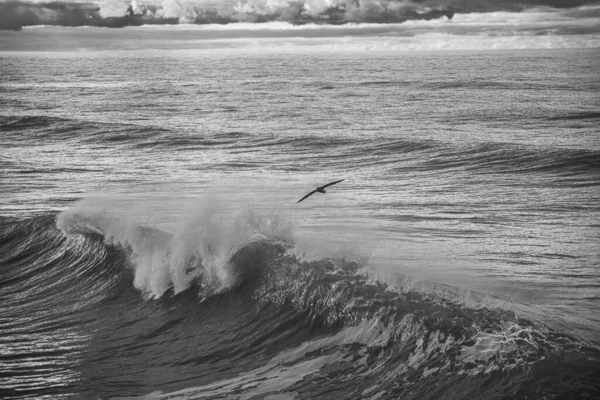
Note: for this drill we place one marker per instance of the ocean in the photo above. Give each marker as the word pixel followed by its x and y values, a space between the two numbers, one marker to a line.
pixel 152 246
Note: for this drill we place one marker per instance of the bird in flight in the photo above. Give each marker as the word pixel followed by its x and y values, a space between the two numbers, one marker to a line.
pixel 320 189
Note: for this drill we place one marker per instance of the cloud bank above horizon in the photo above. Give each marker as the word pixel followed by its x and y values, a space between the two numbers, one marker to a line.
pixel 271 26
pixel 533 29
pixel 16 14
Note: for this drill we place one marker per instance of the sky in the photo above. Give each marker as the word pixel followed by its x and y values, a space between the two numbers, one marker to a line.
pixel 321 24
pixel 16 14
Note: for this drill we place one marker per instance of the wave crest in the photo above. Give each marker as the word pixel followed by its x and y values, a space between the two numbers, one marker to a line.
pixel 208 247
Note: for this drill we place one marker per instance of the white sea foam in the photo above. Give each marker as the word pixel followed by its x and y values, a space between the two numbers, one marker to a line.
pixel 201 244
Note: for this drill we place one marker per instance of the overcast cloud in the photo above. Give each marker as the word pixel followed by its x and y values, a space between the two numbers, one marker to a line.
pixel 16 14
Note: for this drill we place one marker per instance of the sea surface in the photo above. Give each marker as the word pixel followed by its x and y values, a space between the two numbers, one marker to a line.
pixel 152 246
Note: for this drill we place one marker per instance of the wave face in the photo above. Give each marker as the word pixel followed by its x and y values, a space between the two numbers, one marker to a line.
pixel 274 324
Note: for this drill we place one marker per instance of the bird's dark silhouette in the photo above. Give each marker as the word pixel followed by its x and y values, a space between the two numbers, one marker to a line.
pixel 320 189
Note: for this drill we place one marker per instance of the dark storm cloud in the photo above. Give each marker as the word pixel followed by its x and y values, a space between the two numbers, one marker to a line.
pixel 15 14
pixel 468 6
pixel 567 8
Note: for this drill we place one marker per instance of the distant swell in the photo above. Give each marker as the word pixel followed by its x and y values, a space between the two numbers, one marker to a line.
pixel 593 115
pixel 429 155
pixel 506 158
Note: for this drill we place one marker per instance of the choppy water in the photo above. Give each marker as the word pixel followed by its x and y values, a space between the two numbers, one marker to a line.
pixel 151 244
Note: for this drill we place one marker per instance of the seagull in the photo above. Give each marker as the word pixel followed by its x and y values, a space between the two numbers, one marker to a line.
pixel 320 189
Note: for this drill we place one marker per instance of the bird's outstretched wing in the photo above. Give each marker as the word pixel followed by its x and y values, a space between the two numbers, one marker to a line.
pixel 331 183
pixel 313 192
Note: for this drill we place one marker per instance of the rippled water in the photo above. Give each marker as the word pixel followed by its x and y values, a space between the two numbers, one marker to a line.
pixel 477 170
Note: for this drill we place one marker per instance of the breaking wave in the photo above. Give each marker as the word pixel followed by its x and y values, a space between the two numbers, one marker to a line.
pixel 238 293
